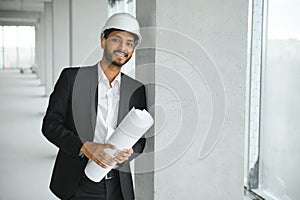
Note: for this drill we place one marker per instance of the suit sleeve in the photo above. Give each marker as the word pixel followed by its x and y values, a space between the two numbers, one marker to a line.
pixel 54 123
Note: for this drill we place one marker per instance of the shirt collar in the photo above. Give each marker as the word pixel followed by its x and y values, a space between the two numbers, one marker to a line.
pixel 102 77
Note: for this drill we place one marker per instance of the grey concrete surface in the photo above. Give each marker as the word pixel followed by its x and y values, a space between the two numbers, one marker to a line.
pixel 183 101
pixel 26 157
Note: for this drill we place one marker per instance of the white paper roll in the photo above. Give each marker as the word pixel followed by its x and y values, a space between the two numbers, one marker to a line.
pixel 130 130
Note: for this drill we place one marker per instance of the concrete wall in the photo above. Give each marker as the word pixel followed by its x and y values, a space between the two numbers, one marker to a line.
pixel 183 106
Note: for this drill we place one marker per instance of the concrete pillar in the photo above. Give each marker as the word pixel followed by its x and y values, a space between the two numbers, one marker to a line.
pixel 61 36
pixel 216 33
pixel 40 47
pixel 145 72
pixel 48 47
pixel 88 18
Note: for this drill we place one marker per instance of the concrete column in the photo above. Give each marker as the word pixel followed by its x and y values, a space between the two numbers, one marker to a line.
pixel 61 36
pixel 48 47
pixel 40 48
pixel 88 18
pixel 145 72
pixel 183 101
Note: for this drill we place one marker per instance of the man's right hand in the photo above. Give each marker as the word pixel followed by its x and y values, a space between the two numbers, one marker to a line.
pixel 95 152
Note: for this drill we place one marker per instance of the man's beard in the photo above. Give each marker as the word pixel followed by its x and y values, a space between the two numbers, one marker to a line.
pixel 108 57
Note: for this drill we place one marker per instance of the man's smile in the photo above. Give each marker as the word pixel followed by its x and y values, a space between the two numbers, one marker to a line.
pixel 120 54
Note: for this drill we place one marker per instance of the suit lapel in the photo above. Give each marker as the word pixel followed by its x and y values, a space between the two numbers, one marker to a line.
pixel 94 94
pixel 124 98
pixel 83 101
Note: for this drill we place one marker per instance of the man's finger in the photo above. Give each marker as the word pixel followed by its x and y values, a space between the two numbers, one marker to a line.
pixel 110 146
pixel 120 159
pixel 124 153
pixel 100 164
pixel 106 159
pixel 107 156
pixel 121 156
pixel 130 151
pixel 97 161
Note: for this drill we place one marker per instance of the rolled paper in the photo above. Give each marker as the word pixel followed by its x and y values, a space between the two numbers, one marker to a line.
pixel 134 125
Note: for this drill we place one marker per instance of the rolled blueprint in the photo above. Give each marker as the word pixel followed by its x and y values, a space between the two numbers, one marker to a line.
pixel 130 130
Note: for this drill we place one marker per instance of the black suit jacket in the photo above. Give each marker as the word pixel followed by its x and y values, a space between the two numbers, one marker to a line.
pixel 70 121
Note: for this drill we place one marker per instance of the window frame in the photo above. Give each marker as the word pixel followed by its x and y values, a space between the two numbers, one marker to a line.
pixel 258 13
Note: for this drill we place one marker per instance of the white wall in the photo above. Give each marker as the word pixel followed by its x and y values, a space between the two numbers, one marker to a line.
pixel 183 102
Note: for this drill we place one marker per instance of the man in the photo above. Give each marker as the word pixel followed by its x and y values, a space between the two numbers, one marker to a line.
pixel 84 109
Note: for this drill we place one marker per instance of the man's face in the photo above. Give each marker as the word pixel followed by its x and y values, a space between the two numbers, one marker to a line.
pixel 118 47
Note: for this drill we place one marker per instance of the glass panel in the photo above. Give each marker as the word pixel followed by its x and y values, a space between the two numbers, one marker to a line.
pixel 2 62
pixel 26 44
pixel 10 46
pixel 19 46
pixel 280 127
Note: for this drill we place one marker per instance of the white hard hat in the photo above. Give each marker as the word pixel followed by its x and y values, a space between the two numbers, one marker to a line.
pixel 123 21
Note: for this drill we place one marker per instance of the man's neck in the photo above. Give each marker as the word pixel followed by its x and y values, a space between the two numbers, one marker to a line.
pixel 110 71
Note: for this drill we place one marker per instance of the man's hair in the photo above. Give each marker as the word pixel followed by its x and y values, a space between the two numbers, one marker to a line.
pixel 106 33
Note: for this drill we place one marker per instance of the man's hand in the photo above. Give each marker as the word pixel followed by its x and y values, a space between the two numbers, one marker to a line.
pixel 122 156
pixel 95 152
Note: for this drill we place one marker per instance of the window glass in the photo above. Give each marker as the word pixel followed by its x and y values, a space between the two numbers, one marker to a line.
pixel 280 107
pixel 10 46
pixel 17 46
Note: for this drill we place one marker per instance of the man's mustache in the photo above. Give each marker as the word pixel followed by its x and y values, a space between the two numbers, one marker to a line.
pixel 118 51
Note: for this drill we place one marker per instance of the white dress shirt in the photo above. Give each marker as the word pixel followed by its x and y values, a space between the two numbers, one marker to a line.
pixel 108 106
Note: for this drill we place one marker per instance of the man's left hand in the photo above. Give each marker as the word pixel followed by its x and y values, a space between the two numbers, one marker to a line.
pixel 122 156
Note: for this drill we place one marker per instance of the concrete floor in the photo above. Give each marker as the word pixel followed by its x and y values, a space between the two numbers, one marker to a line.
pixel 26 157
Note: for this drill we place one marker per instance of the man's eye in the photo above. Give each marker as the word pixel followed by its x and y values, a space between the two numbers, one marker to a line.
pixel 130 44
pixel 115 40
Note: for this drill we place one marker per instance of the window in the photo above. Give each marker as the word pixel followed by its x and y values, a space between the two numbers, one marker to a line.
pixel 274 110
pixel 17 45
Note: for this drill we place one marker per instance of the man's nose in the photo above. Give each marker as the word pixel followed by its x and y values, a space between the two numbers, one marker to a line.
pixel 122 46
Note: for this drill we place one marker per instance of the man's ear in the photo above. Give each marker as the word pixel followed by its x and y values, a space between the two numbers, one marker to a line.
pixel 103 42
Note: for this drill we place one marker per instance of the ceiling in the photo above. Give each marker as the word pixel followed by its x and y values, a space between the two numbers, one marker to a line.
pixel 21 12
